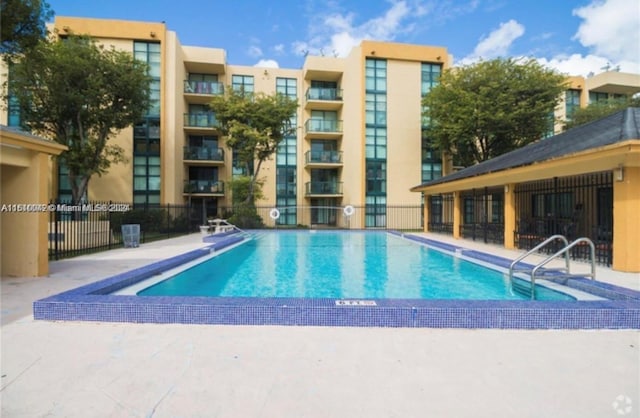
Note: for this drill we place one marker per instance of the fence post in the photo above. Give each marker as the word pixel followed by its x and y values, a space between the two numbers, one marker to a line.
pixel 169 220
pixel 56 238
pixel 109 223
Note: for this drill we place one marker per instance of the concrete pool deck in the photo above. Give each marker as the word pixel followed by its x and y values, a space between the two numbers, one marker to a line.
pixel 121 369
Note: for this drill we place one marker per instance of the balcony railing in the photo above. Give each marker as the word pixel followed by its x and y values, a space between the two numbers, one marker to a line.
pixel 324 93
pixel 322 125
pixel 200 120
pixel 203 153
pixel 322 157
pixel 203 87
pixel 203 187
pixel 323 187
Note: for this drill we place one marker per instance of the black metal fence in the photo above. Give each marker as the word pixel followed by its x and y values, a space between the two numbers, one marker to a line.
pixel 97 226
pixel 483 215
pixel 579 206
pixel 406 218
pixel 441 213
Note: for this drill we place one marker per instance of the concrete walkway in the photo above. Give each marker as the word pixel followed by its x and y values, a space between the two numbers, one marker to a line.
pixel 74 369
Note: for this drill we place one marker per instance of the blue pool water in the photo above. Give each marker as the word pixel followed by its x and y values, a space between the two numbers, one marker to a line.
pixel 343 265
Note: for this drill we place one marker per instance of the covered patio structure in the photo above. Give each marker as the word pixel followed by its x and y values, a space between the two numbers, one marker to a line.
pixel 584 182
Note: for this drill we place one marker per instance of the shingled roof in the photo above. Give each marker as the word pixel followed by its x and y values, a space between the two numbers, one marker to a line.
pixel 621 126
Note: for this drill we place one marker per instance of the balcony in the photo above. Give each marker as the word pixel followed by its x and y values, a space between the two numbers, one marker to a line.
pixel 204 187
pixel 323 158
pixel 323 129
pixel 203 155
pixel 319 98
pixel 201 91
pixel 200 121
pixel 323 188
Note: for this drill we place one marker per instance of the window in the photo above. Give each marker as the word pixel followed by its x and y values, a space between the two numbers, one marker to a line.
pixel 323 90
pixel 468 215
pixel 572 102
pixel 146 133
pixel 376 143
pixel 435 209
pixel 375 211
pixel 285 181
pixel 431 162
pixel 595 96
pixel 497 208
pixel 376 177
pixel 204 84
pixel 146 179
pixel 430 77
pixel 376 75
pixel 376 109
pixel 287 86
pixel 286 155
pixel 558 205
pixel 242 83
pixel 324 120
pixel 150 53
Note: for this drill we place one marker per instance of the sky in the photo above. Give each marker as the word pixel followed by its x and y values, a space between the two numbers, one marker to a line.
pixel 576 37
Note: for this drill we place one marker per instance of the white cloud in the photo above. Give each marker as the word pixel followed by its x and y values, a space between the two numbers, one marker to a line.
pixel 611 28
pixel 254 51
pixel 337 33
pixel 267 64
pixel 577 64
pixel 499 41
pixel 279 49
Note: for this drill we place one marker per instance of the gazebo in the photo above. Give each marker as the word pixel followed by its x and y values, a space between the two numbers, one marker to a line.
pixel 584 182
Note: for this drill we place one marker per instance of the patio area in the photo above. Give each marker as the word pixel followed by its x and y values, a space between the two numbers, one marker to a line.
pixel 123 369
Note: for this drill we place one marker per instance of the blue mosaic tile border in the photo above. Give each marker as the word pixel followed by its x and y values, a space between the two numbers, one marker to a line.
pixel 94 303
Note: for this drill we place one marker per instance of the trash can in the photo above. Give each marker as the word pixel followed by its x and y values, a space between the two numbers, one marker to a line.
pixel 131 235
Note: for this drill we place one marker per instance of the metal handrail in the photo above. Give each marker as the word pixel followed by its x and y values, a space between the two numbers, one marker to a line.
pixel 535 249
pixel 592 247
pixel 531 251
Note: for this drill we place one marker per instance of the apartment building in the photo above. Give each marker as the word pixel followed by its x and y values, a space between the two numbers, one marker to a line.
pixel 359 126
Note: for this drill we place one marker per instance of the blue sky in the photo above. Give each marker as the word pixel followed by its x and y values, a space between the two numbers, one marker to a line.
pixel 574 36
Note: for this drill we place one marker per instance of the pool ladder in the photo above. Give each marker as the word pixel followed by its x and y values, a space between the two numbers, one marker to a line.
pixel 552 273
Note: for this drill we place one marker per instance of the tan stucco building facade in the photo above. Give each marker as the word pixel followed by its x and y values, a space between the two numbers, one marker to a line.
pixel 25 162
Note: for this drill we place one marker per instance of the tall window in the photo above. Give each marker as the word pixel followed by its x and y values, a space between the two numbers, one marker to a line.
pixel 430 77
pixel 376 178
pixel 13 106
pixel 146 136
pixel 431 159
pixel 572 102
pixel 431 162
pixel 375 142
pixel 286 156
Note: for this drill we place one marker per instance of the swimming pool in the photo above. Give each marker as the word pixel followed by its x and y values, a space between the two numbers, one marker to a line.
pixel 334 264
pixel 99 301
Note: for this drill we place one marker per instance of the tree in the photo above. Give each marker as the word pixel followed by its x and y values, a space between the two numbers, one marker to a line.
pixel 485 109
pixel 599 110
pixel 80 94
pixel 254 125
pixel 22 25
